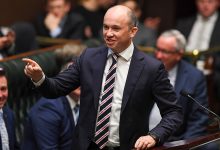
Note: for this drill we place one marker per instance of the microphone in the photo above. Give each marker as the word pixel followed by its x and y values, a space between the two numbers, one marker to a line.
pixel 186 94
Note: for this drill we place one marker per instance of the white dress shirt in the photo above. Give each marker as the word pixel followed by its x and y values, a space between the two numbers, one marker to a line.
pixel 54 33
pixel 200 35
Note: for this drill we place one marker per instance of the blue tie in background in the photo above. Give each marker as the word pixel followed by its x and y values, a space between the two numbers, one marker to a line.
pixel 4 133
pixel 76 112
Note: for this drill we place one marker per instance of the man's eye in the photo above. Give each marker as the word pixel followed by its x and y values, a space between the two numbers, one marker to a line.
pixel 105 27
pixel 116 29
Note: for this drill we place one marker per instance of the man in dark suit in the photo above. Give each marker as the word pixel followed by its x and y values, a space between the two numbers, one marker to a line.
pixel 202 30
pixel 51 123
pixel 138 82
pixel 7 122
pixel 183 76
pixel 59 22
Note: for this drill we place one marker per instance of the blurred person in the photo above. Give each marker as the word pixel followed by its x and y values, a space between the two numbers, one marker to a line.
pixel 7 42
pixel 90 10
pixel 51 123
pixel 105 5
pixel 8 139
pixel 67 53
pixel 59 22
pixel 152 22
pixel 202 30
pixel 25 37
pixel 118 85
pixel 170 47
pixel 145 36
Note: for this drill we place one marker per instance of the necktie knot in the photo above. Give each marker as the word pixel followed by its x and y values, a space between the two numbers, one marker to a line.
pixel 115 56
pixel 76 108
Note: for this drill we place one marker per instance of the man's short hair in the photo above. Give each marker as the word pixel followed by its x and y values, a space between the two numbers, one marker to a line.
pixel 180 39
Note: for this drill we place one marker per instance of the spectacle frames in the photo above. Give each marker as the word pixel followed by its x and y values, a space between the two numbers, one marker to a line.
pixel 164 51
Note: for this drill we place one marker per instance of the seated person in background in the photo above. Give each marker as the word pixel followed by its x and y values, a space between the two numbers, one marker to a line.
pixel 58 22
pixel 145 36
pixel 170 48
pixel 7 42
pixel 7 122
pixel 203 29
pixel 51 122
pixel 90 10
pixel 25 37
pixel 105 5
pixel 152 22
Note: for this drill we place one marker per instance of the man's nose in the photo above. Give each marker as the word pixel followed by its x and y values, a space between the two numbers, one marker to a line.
pixel 158 54
pixel 109 33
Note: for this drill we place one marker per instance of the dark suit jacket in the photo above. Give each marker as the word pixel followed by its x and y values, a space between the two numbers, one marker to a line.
pixel 146 82
pixel 185 27
pixel 49 125
pixel 10 126
pixel 195 120
pixel 73 27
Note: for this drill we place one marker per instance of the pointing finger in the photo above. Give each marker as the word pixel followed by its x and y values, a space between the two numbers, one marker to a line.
pixel 29 61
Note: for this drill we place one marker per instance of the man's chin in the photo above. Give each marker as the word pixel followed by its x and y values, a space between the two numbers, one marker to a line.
pixel 1 105
pixel 110 46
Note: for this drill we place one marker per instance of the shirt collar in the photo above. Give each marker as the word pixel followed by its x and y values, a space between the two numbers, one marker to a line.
pixel 213 17
pixel 173 71
pixel 71 102
pixel 126 54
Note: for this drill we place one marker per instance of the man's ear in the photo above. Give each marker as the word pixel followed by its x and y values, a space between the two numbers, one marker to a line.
pixel 180 54
pixel 133 31
pixel 67 6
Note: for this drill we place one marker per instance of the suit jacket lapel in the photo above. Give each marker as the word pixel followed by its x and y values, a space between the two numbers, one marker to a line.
pixel 215 33
pixel 68 110
pixel 181 78
pixel 97 73
pixel 134 72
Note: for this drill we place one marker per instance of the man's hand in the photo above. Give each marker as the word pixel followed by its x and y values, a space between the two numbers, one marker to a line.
pixel 144 142
pixel 52 22
pixel 32 70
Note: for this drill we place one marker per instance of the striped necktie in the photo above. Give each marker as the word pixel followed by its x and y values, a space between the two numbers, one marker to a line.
pixel 102 124
pixel 4 133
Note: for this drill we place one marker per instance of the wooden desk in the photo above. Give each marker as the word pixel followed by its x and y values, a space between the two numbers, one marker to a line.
pixel 188 144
